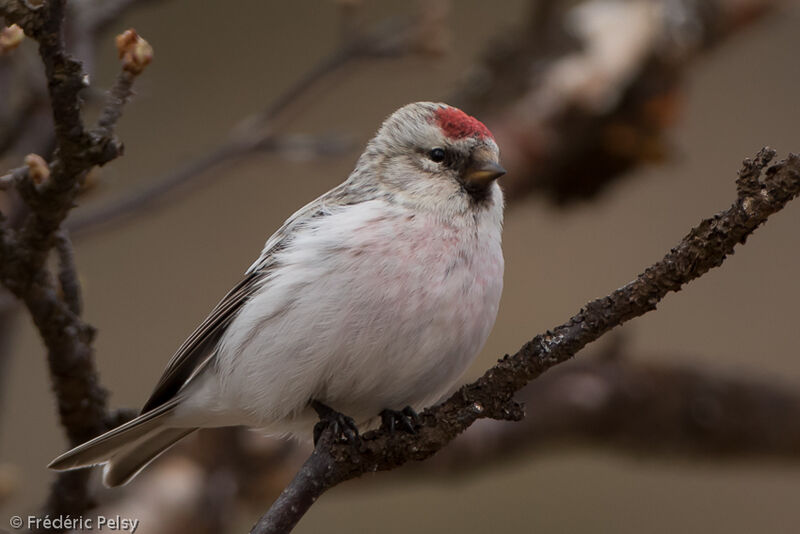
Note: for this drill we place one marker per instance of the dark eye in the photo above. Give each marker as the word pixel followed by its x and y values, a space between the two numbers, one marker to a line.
pixel 437 155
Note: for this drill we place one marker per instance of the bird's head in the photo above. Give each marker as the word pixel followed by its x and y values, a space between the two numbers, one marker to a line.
pixel 432 155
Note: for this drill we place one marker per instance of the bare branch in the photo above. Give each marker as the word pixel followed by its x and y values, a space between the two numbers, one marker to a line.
pixel 586 91
pixel 189 175
pixel 81 400
pixel 117 97
pixel 759 194
pixel 648 409
pixel 77 150
pixel 542 152
pixel 12 178
pixel 303 491
pixel 49 191
pixel 68 274
pixel 256 133
pixel 607 399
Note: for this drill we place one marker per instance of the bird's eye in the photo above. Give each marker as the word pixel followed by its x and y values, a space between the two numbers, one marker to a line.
pixel 437 155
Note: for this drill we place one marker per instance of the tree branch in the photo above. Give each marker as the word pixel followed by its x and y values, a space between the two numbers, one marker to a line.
pixel 608 398
pixel 24 251
pixel 647 409
pixel 68 274
pixel 49 192
pixel 256 133
pixel 545 151
pixel 585 91
pixel 760 193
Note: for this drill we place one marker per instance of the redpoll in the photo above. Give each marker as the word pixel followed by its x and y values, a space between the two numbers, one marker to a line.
pixel 372 299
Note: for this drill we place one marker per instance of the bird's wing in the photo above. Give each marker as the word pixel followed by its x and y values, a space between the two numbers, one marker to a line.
pixel 199 347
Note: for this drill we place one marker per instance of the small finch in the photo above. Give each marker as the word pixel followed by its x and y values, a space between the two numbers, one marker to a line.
pixel 370 302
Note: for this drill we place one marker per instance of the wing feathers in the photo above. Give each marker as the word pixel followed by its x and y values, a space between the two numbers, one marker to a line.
pixel 198 347
pixel 196 350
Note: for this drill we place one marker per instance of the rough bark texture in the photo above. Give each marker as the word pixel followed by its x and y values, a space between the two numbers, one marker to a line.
pixel 49 194
pixel 647 409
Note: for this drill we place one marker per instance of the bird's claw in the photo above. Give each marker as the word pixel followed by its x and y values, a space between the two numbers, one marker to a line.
pixel 406 419
pixel 342 427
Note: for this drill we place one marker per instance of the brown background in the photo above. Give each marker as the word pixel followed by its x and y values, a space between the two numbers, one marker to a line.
pixel 149 281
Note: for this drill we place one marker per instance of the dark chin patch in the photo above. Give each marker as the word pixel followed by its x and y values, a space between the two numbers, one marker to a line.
pixel 477 194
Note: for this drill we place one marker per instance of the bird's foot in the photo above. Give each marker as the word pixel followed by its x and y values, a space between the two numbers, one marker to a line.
pixel 406 419
pixel 342 426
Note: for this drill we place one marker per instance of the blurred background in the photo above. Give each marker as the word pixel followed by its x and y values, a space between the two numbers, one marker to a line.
pixel 623 124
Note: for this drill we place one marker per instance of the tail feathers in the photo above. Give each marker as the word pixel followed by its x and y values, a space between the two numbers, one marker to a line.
pixel 127 448
pixel 126 463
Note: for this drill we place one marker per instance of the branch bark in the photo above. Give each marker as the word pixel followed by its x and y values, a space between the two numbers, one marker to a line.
pixel 49 192
pixel 649 410
pixel 760 193
pixel 609 399
pixel 544 151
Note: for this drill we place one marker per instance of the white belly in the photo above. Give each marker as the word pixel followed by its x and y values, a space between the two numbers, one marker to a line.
pixel 365 313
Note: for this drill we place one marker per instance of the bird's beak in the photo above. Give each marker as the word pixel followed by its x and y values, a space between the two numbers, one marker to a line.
pixel 481 173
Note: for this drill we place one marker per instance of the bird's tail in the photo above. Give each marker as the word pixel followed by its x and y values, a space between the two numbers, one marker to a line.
pixel 127 449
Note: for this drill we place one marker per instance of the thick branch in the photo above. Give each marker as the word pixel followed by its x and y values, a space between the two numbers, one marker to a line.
pixel 49 192
pixel 607 399
pixel 759 195
pixel 304 490
pixel 647 409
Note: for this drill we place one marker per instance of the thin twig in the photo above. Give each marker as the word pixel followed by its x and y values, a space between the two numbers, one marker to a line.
pixel 759 194
pixel 117 97
pixel 256 132
pixel 12 178
pixel 188 175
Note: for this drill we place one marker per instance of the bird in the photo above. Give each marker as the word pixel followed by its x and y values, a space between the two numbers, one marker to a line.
pixel 366 305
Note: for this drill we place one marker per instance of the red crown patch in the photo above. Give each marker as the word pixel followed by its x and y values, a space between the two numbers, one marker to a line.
pixel 457 125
